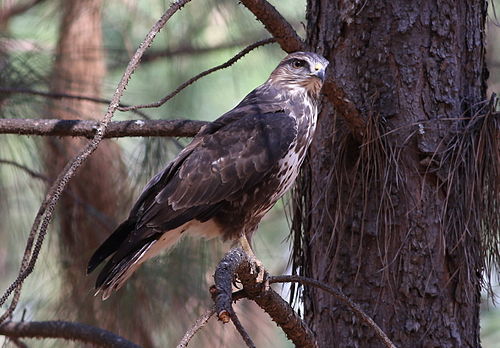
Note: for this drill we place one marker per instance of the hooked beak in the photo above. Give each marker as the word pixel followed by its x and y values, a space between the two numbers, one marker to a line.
pixel 319 70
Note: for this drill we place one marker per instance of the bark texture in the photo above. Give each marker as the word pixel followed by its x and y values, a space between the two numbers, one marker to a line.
pixel 380 216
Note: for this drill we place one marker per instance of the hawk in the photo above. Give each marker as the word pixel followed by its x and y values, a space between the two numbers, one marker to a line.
pixel 227 178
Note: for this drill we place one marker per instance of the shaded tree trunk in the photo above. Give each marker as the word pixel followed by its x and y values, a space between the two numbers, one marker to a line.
pixel 387 215
pixel 91 203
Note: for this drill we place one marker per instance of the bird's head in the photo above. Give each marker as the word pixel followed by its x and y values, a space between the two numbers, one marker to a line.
pixel 300 70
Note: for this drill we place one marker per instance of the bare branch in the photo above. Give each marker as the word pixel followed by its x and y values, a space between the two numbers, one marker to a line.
pixel 86 128
pixel 46 211
pixel 199 76
pixel 7 91
pixel 65 330
pixel 30 171
pixel 339 296
pixel 277 26
pixel 199 323
pixel 237 262
pixel 187 50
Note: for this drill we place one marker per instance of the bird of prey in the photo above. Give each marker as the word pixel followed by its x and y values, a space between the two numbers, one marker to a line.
pixel 227 178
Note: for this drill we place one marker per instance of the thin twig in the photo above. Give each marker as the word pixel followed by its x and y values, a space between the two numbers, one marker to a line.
pixel 198 324
pixel 339 296
pixel 241 330
pixel 65 330
pixel 30 171
pixel 87 128
pixel 47 207
pixel 53 95
pixel 200 75
pixel 192 50
pixel 276 25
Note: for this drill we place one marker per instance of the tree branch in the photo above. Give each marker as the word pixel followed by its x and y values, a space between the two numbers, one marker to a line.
pixel 46 210
pixel 199 323
pixel 65 330
pixel 86 128
pixel 199 76
pixel 339 296
pixel 290 42
pixel 236 262
pixel 276 24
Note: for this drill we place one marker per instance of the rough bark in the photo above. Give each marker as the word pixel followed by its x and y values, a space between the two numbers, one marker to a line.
pixel 378 217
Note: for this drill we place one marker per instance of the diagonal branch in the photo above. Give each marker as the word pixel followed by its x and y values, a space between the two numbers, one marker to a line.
pixel 65 330
pixel 199 76
pixel 199 323
pixel 276 24
pixel 86 128
pixel 46 211
pixel 339 296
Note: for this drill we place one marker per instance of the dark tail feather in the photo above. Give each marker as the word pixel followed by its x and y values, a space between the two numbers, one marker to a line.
pixel 118 269
pixel 110 245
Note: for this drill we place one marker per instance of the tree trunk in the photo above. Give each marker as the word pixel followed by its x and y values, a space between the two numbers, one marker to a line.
pixel 386 215
pixel 90 205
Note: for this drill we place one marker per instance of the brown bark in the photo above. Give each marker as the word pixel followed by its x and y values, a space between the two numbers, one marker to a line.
pixel 380 220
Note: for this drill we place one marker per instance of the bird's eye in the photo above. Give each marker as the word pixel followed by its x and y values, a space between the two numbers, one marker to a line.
pixel 298 63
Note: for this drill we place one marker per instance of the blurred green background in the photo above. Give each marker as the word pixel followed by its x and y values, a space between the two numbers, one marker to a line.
pixel 170 291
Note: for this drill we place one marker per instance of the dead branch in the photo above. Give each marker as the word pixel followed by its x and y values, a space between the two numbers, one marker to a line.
pixel 277 26
pixel 47 207
pixel 86 128
pixel 7 91
pixel 65 330
pixel 188 50
pixel 230 62
pixel 24 168
pixel 339 296
pixel 199 323
pixel 236 262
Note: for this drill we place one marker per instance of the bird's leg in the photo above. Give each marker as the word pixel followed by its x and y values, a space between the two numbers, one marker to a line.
pixel 245 245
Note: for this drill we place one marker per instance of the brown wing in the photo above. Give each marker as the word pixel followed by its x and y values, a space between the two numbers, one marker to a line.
pixel 219 167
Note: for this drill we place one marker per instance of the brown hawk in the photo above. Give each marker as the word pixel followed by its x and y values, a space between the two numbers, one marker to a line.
pixel 228 177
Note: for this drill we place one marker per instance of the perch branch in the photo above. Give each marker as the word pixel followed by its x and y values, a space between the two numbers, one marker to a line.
pixel 199 323
pixel 65 330
pixel 7 91
pixel 236 262
pixel 276 25
pixel 230 62
pixel 86 128
pixel 339 296
pixel 45 213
